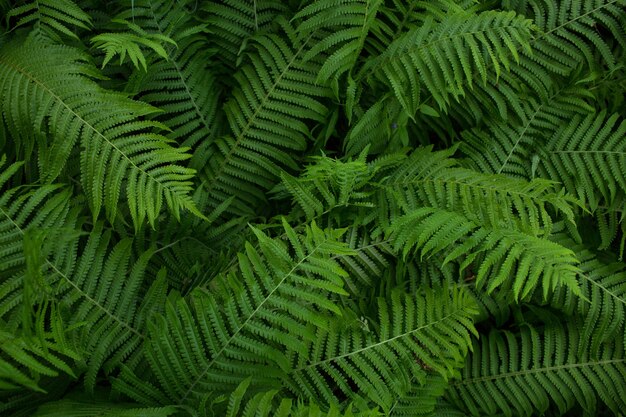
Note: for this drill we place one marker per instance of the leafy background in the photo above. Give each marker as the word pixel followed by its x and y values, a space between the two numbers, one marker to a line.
pixel 312 208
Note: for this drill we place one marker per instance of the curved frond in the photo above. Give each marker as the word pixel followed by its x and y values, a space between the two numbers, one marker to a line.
pixel 347 23
pixel 442 57
pixel 211 343
pixel 121 154
pixel 276 85
pixel 182 84
pixel 588 155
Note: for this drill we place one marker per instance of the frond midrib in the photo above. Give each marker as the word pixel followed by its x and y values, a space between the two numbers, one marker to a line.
pixel 546 369
pixel 244 131
pixel 179 73
pixel 375 345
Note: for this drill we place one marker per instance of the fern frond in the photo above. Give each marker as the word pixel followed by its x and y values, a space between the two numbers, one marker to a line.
pixel 602 304
pixel 511 147
pixel 442 57
pixel 276 85
pixel 433 179
pixel 118 148
pixel 329 185
pixel 55 16
pixel 524 373
pixel 428 333
pixel 233 22
pixel 211 343
pixel 130 43
pixel 568 35
pixel 419 400
pixel 24 360
pixel 347 23
pixel 182 84
pixel 514 261
pixel 271 403
pixel 588 155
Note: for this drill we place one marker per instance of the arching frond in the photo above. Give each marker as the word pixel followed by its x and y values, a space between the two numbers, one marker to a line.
pixel 511 148
pixel 427 333
pixel 277 84
pixel 121 154
pixel 442 57
pixel 433 179
pixel 524 373
pixel 211 343
pixel 568 34
pixel 602 304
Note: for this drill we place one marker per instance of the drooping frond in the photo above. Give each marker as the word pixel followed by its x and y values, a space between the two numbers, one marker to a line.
pixel 433 179
pixel 525 373
pixel 421 334
pixel 442 58
pixel 121 154
pixel 276 85
pixel 210 343
pixel 347 23
pixel 55 16
pixel 569 33
pixel 513 261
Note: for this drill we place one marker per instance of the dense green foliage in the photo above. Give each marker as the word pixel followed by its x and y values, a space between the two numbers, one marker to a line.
pixel 312 208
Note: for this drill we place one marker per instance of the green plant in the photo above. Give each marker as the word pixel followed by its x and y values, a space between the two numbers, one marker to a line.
pixel 312 208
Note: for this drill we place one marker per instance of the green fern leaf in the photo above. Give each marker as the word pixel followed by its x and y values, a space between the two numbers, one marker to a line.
pixel 524 373
pixel 211 343
pixel 442 57
pixel 428 333
pixel 55 16
pixel 276 85
pixel 117 147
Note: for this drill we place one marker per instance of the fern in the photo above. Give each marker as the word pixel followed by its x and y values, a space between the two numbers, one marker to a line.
pixel 276 84
pixel 348 23
pixel 118 147
pixel 441 53
pixel 219 350
pixel 53 16
pixel 500 379
pixel 330 208
pixel 380 366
